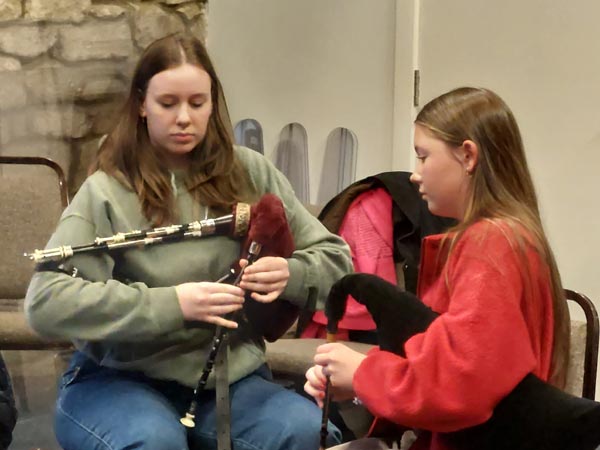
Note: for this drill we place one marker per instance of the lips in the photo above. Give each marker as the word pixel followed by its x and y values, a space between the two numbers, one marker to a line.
pixel 182 137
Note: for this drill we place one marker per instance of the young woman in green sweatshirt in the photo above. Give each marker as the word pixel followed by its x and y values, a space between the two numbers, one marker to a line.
pixel 143 319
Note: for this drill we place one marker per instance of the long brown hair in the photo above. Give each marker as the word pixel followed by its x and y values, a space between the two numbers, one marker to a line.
pixel 215 177
pixel 501 188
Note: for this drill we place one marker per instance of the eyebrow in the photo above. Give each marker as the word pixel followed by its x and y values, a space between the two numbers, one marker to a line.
pixel 173 99
pixel 202 95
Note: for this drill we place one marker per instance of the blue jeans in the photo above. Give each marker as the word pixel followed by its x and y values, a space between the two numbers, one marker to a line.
pixel 103 408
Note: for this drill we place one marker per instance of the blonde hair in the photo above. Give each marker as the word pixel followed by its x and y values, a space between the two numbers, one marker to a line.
pixel 501 188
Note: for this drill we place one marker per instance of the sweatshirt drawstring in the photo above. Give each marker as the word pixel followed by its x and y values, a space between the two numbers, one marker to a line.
pixel 173 185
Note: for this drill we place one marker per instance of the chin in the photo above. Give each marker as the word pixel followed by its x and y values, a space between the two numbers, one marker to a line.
pixel 443 213
pixel 438 211
pixel 182 149
pixel 432 208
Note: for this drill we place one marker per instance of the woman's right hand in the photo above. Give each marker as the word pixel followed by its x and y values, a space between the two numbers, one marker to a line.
pixel 209 302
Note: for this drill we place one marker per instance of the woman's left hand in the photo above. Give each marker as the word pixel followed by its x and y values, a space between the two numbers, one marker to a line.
pixel 266 278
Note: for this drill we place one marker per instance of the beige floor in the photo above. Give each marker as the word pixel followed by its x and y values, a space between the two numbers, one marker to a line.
pixel 34 377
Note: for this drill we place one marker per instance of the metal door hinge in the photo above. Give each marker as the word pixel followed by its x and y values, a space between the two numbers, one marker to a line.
pixel 416 87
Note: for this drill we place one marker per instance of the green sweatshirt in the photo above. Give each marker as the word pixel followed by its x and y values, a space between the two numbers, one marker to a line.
pixel 122 309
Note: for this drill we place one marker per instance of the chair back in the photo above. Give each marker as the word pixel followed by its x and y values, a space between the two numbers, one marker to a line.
pixel 34 194
pixel 583 361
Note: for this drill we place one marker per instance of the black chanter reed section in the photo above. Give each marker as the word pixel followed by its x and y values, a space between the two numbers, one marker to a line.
pixel 220 335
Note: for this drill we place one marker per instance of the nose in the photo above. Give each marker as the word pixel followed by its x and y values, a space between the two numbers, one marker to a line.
pixel 415 178
pixel 183 116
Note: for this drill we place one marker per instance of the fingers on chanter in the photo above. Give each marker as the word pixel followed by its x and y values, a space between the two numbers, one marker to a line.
pixel 264 298
pixel 222 322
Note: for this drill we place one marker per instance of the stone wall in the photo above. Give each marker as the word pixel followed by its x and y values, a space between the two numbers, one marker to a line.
pixel 65 67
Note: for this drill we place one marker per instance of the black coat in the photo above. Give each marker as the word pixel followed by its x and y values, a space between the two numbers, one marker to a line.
pixel 8 412
pixel 410 215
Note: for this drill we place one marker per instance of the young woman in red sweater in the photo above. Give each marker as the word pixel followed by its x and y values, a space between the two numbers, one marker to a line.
pixel 492 278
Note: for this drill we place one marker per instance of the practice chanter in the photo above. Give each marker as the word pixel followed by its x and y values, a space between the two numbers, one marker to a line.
pixel 335 308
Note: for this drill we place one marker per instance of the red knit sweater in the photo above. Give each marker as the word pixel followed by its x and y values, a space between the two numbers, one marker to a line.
pixel 487 338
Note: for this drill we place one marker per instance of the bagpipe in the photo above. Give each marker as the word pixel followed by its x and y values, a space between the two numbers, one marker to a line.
pixel 263 223
pixel 533 416
pixel 264 228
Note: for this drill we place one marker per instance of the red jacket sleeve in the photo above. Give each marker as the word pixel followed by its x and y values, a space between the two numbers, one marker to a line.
pixel 470 357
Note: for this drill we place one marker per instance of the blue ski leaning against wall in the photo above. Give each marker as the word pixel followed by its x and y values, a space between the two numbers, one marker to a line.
pixel 249 133
pixel 291 158
pixel 339 164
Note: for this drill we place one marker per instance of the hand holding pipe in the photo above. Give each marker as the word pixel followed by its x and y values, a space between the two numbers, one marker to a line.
pixel 220 335
pixel 268 235
pixel 534 415
pixel 269 226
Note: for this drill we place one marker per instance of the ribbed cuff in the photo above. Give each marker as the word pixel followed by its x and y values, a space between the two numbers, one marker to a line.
pixel 296 291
